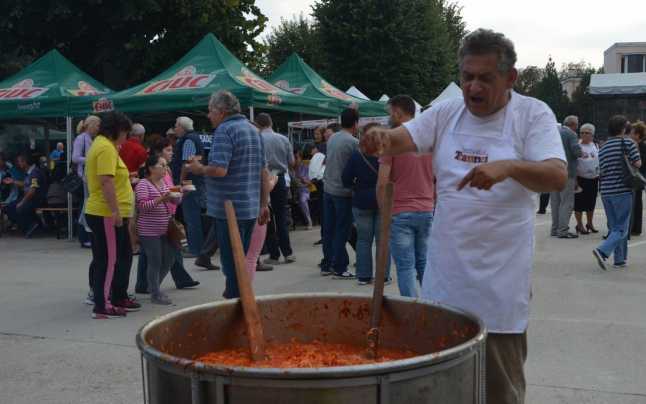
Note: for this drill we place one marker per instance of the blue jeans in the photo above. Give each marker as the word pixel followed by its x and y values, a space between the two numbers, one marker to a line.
pixel 618 208
pixel 192 212
pixel 231 290
pixel 336 230
pixel 368 222
pixel 408 245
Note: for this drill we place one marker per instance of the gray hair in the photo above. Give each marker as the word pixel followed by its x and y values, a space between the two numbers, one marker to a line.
pixel 571 120
pixel 587 126
pixel 485 41
pixel 226 102
pixel 138 129
pixel 185 123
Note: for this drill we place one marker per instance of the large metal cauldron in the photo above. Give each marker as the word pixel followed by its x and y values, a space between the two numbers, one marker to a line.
pixel 448 376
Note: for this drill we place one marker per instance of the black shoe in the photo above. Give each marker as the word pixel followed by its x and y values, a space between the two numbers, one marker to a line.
pixel 319 242
pixel 206 264
pixel 188 285
pixel 540 212
pixel 141 291
pixel 569 235
pixel 260 267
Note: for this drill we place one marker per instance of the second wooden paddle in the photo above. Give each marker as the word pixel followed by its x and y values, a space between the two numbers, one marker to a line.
pixel 385 212
pixel 247 297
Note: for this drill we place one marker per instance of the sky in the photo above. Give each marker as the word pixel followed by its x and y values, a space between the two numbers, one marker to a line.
pixel 567 30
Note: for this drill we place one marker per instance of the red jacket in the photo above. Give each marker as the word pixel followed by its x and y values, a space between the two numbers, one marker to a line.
pixel 133 154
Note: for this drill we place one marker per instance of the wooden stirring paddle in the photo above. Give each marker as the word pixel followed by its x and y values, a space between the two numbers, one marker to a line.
pixel 247 297
pixel 380 274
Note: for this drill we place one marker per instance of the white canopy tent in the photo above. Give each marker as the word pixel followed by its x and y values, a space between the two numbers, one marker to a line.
pixel 618 84
pixel 384 98
pixel 451 91
pixel 355 92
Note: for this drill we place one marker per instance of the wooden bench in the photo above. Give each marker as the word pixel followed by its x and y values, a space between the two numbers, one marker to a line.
pixel 58 213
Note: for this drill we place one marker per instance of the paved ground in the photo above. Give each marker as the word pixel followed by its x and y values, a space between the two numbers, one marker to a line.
pixel 587 332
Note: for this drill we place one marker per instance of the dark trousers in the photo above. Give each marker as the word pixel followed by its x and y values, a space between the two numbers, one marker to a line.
pixel 545 200
pixel 638 206
pixel 245 227
pixel 111 260
pixel 192 211
pixel 278 228
pixel 336 232
pixel 24 216
pixel 210 245
pixel 177 272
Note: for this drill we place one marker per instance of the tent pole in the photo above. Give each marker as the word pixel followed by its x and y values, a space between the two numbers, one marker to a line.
pixel 68 154
pixel 251 114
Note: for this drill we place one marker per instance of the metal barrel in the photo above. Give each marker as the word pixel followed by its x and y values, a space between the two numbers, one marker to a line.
pixel 452 373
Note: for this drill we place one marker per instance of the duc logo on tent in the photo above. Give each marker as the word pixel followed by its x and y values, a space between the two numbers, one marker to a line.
pixel 249 79
pixel 185 79
pixel 22 90
pixel 333 92
pixel 85 89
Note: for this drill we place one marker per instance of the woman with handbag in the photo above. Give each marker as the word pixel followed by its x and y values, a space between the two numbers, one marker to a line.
pixel 179 274
pixel 587 179
pixel 616 157
pixel 154 213
pixel 360 174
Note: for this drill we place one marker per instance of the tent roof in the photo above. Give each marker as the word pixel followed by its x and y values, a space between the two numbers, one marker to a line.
pixel 205 69
pixel 355 92
pixel 618 84
pixel 451 91
pixel 296 76
pixel 44 88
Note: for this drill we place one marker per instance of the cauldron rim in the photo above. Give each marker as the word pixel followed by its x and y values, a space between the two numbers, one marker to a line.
pixel 188 366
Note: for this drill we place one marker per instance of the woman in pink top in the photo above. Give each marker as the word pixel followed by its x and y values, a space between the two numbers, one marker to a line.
pixel 154 204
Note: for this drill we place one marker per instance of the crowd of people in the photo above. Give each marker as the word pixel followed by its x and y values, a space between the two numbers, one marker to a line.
pixel 465 174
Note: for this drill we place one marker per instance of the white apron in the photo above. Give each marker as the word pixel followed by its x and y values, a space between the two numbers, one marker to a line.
pixel 481 246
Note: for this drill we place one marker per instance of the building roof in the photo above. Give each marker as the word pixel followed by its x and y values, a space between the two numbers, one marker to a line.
pixel 618 84
pixel 624 44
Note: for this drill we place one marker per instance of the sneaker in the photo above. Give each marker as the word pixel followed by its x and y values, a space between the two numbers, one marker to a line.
pixel 161 300
pixel 290 259
pixel 344 275
pixel 601 259
pixel 108 313
pixel 87 244
pixel 271 261
pixel 364 281
pixel 205 263
pixel 260 267
pixel 128 304
pixel 326 273
pixel 89 299
pixel 620 265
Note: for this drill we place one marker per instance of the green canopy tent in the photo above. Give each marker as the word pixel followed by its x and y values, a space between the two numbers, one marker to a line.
pixel 189 83
pixel 45 89
pixel 296 76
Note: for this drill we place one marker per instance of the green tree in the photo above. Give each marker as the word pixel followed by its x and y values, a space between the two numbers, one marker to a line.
pixel 528 79
pixel 300 35
pixel 394 47
pixel 550 91
pixel 125 42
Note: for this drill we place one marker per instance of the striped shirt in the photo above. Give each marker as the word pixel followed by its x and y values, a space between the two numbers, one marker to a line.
pixel 152 219
pixel 238 147
pixel 611 164
pixel 189 150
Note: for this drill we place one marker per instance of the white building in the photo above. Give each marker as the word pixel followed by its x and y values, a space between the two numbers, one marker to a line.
pixel 625 57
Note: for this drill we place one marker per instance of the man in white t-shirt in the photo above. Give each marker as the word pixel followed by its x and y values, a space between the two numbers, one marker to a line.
pixel 492 151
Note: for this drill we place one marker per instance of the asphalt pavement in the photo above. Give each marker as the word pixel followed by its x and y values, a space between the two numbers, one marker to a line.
pixel 587 334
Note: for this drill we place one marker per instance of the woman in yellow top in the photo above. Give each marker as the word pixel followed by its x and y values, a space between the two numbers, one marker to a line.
pixel 107 211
